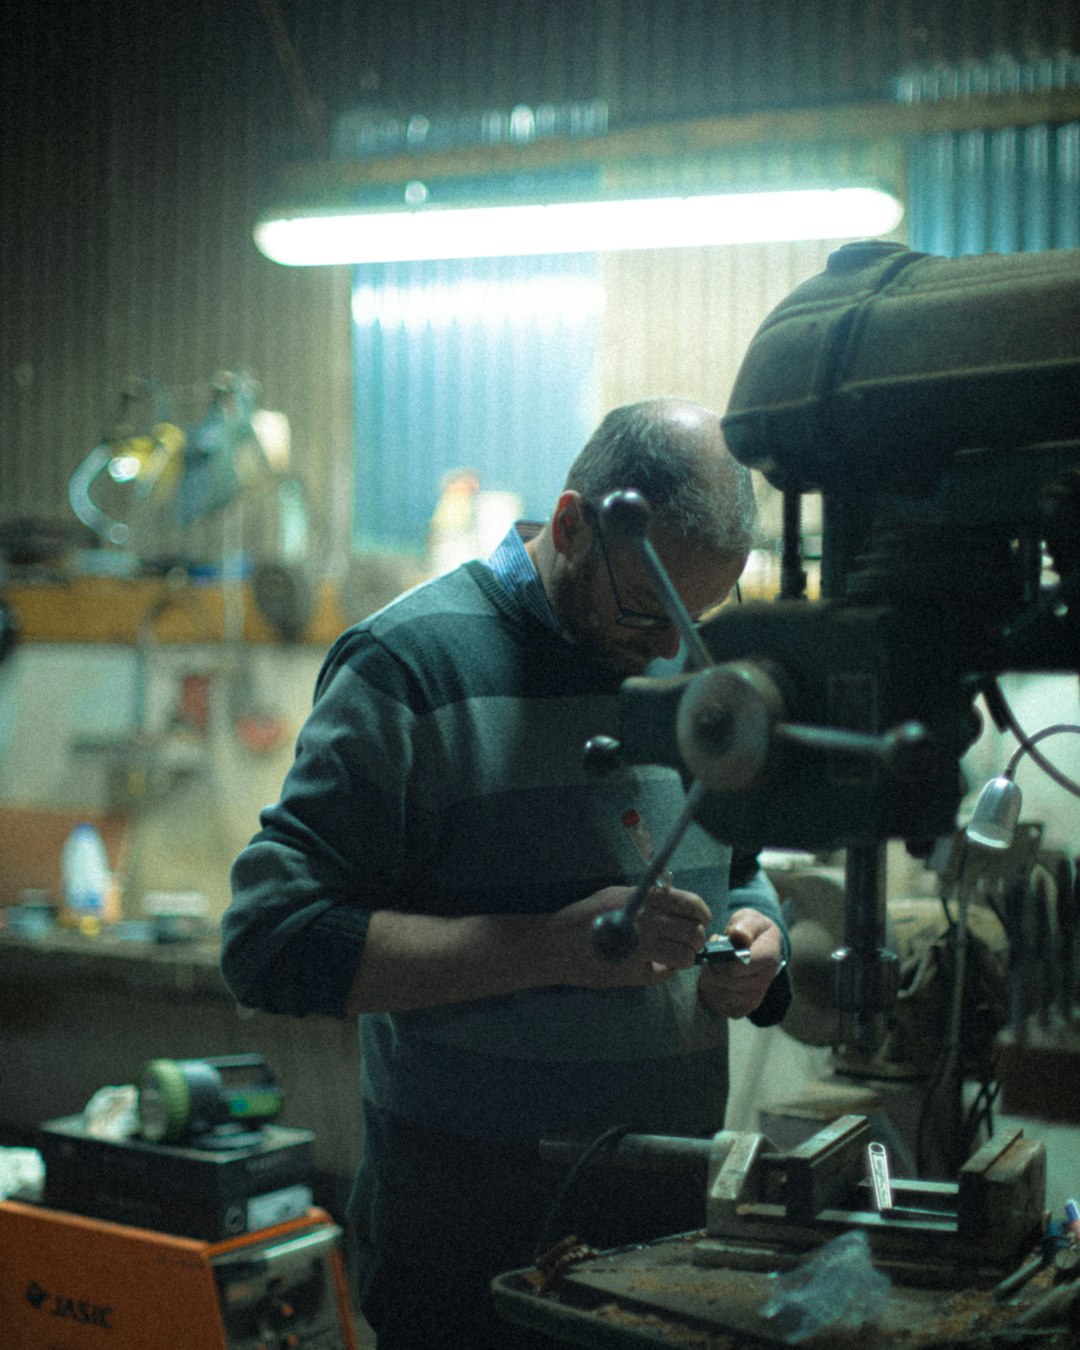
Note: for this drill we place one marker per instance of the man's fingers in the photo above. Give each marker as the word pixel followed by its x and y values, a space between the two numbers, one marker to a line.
pixel 739 936
pixel 678 906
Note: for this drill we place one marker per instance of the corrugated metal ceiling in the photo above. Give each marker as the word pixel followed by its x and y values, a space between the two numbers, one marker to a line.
pixel 137 143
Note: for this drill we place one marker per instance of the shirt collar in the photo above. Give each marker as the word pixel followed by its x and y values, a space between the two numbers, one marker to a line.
pixel 518 575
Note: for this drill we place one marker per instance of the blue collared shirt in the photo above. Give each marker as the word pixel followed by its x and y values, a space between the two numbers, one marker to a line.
pixel 515 569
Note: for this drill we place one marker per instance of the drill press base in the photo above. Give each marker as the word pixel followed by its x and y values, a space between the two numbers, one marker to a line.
pixel 659 1295
pixel 944 1246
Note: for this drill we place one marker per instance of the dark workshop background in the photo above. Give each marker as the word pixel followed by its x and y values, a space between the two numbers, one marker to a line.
pixel 138 142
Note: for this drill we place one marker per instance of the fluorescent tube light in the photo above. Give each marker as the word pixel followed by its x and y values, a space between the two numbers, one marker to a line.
pixel 306 239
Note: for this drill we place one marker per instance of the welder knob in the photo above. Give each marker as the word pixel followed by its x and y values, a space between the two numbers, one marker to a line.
pixel 724 724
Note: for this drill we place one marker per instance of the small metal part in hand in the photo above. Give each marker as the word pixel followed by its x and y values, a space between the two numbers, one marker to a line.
pixel 721 949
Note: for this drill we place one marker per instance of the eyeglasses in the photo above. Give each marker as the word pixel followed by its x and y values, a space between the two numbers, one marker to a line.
pixel 636 618
pixel 627 618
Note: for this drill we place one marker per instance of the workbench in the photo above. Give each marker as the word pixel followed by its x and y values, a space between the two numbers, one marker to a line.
pixel 656 1295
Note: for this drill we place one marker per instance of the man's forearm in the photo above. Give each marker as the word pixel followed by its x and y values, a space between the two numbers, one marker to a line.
pixel 420 960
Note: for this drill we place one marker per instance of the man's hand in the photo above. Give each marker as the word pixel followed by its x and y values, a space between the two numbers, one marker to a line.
pixel 424 960
pixel 670 927
pixel 734 989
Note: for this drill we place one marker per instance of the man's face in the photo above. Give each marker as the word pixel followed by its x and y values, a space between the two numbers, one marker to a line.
pixel 585 599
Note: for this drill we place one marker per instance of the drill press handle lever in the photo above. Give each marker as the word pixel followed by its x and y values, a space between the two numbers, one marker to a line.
pixel 728 720
pixel 614 934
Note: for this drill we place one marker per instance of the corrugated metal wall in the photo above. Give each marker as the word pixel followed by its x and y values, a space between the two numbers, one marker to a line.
pixel 137 142
pixel 1011 190
pixel 679 323
pixel 664 58
pixel 513 393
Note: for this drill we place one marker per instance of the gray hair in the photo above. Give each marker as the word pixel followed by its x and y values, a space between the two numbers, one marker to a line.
pixel 693 484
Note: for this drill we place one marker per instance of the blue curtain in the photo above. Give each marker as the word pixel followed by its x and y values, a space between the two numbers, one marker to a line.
pixel 1016 190
pixel 490 364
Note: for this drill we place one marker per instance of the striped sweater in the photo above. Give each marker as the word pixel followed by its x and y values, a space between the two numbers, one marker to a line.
pixel 440 771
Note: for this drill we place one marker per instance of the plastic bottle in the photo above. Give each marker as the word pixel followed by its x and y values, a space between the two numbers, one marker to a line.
pixel 87 880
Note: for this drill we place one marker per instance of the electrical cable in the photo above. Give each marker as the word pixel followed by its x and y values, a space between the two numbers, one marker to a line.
pixel 948 1063
pixel 980 1113
pixel 952 1068
pixel 548 1234
pixel 1028 743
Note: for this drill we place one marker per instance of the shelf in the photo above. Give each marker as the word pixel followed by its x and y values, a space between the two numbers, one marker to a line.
pixel 114 609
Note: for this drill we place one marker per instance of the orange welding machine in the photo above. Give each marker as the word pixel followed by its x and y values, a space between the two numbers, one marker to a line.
pixel 67 1278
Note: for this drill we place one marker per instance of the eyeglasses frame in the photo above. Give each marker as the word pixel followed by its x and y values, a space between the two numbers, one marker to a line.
pixel 637 619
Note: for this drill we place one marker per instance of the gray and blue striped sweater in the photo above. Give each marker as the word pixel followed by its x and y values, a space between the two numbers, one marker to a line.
pixel 440 771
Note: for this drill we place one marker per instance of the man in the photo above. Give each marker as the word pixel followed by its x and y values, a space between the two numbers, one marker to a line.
pixel 436 864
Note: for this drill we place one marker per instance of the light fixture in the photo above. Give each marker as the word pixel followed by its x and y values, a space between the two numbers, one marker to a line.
pixel 997 811
pixel 420 230
pixel 993 822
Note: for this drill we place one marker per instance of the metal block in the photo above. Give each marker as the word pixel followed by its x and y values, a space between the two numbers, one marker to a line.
pixel 820 1172
pixel 1002 1193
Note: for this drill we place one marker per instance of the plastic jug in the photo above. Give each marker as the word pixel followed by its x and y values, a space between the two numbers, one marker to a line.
pixel 87 879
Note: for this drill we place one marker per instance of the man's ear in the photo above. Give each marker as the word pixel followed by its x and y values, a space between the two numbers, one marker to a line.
pixel 569 525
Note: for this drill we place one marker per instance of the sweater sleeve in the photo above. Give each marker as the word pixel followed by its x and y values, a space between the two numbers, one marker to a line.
pixel 752 889
pixel 331 849
pixel 756 891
